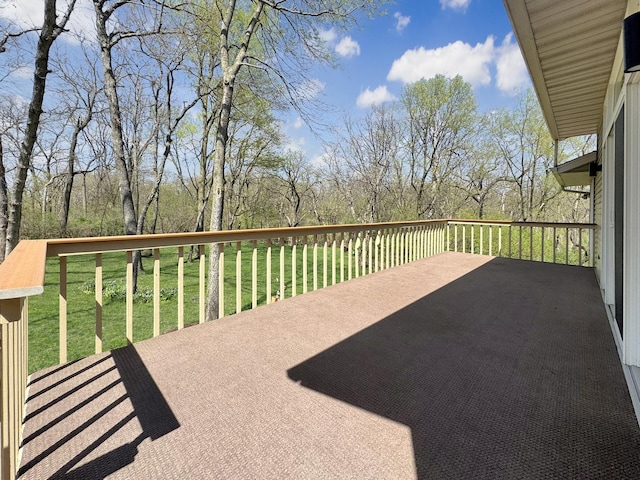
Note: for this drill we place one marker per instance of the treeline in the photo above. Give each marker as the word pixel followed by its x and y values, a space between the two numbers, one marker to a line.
pixel 429 155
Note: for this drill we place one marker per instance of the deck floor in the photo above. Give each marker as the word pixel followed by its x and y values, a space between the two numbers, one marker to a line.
pixel 453 367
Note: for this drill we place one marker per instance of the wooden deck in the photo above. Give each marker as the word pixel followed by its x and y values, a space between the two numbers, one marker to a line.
pixel 453 367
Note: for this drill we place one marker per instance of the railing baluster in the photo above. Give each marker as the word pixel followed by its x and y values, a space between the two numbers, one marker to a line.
pixel 98 298
pixel 254 275
pixel 156 292
pixel 566 245
pixel 510 229
pixel 62 307
pixel 455 240
pixel 221 310
pixel 520 242
pixel 333 259
pixel 129 297
pixel 294 265
pixel 555 244
pixel 464 239
pixel 376 260
pixel 305 265
pixel 387 246
pixel 481 239
pixel 268 279
pixel 580 246
pixel 370 246
pixel 238 277
pixel 342 257
pixel 281 295
pixel 356 260
pixel 530 243
pixel 350 259
pixel 473 241
pixel 490 240
pixel 180 288
pixel 202 283
pixel 542 244
pixel 315 263
pixel 325 261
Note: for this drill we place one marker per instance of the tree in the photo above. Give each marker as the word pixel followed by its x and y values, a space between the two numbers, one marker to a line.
pixel 293 185
pixel 525 147
pixel 440 121
pixel 361 159
pixel 281 38
pixel 52 28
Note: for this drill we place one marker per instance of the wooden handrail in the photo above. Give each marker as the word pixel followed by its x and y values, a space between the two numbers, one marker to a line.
pixel 72 246
pixel 22 273
pixel 523 224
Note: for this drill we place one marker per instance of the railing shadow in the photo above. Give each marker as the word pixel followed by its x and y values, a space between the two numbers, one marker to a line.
pixel 149 407
pixel 498 375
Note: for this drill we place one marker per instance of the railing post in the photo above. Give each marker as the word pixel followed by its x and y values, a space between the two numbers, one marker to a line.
pixel 333 259
pixel 268 279
pixel 220 279
pixel 62 308
pixel 202 283
pixel 129 298
pixel 281 295
pixel 156 292
pixel 325 259
pixel 305 265
pixel 13 312
pixel 180 288
pixel 98 298
pixel 254 275
pixel 294 265
pixel 238 277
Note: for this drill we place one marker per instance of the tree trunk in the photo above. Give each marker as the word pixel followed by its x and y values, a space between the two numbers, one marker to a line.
pixel 3 205
pixel 50 31
pixel 217 189
pixel 115 117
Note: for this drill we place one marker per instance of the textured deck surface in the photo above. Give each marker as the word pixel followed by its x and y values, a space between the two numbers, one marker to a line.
pixel 454 367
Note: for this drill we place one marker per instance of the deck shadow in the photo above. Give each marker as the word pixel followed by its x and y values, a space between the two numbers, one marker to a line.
pixel 149 407
pixel 509 371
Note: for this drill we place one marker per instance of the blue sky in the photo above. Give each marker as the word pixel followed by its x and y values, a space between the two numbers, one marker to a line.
pixel 414 39
pixel 419 39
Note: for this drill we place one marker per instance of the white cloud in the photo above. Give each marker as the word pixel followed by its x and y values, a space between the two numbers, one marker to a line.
pixel 377 96
pixel 402 21
pixel 511 71
pixel 30 14
pixel 457 58
pixel 347 47
pixel 328 36
pixel 298 123
pixel 455 4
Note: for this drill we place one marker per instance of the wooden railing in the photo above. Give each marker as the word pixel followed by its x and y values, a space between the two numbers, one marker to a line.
pixel 284 262
pixel 307 258
pixel 565 243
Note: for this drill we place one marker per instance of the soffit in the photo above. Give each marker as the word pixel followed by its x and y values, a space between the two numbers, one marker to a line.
pixel 569 48
pixel 575 172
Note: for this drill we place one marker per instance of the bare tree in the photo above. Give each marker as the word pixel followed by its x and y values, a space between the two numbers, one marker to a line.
pixel 51 29
pixel 285 40
pixel 440 115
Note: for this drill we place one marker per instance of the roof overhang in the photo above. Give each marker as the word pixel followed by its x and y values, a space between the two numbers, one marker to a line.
pixel 569 47
pixel 576 172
